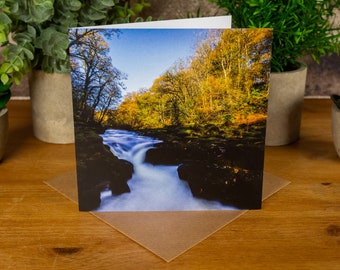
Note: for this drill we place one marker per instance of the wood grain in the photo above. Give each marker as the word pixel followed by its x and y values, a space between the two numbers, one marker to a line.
pixel 298 227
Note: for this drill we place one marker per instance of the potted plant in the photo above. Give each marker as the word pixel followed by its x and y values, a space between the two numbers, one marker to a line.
pixel 39 32
pixel 5 94
pixel 336 122
pixel 300 28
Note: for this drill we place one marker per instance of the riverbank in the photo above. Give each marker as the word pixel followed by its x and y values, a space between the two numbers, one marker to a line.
pixel 228 170
pixel 97 168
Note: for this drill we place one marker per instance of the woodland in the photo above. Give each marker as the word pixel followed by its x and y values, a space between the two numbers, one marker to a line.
pixel 209 111
pixel 225 84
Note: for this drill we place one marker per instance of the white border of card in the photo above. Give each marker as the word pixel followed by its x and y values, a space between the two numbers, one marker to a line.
pixel 206 22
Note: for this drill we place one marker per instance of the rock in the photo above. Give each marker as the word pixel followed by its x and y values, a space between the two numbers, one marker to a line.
pixel 166 154
pixel 122 173
pixel 215 168
pixel 98 169
pixel 246 157
pixel 229 186
pixel 204 181
pixel 90 199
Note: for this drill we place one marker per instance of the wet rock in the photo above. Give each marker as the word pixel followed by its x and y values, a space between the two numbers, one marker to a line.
pixel 90 199
pixel 98 169
pixel 166 154
pixel 230 186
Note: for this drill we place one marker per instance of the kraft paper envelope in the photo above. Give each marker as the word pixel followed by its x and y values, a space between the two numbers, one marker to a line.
pixel 166 234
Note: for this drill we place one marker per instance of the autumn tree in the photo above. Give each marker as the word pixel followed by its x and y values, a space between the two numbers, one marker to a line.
pixel 235 74
pixel 225 84
pixel 97 84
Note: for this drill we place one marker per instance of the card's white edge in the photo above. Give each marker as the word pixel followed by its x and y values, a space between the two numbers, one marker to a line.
pixel 190 23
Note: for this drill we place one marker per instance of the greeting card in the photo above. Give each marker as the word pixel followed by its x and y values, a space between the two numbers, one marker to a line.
pixel 170 116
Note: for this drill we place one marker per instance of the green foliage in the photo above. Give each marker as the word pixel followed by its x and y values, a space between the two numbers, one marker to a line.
pixel 5 94
pixel 39 30
pixel 300 27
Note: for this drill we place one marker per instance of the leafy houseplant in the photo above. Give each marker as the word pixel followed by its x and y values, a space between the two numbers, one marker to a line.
pixel 34 35
pixel 39 31
pixel 300 27
pixel 5 95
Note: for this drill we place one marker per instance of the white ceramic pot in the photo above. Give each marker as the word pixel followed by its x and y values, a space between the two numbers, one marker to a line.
pixel 3 131
pixel 336 128
pixel 287 90
pixel 52 110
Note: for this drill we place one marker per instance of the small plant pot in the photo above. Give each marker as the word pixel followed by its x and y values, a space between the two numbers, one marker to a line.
pixel 285 101
pixel 52 111
pixel 3 131
pixel 336 123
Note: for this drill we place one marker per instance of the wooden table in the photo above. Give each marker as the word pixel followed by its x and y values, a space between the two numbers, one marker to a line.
pixel 298 227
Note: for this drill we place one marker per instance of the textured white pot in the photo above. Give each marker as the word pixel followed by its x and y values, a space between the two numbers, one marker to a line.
pixel 3 131
pixel 52 111
pixel 336 128
pixel 285 100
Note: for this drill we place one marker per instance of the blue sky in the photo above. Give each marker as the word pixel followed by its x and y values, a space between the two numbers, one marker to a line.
pixel 145 54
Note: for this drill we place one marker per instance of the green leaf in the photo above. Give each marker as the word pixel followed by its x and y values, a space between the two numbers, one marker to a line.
pixel 3 37
pixel 31 31
pixel 73 5
pixel 4 79
pixel 5 27
pixel 6 68
pixel 28 53
pixel 300 27
pixel 17 77
pixel 4 19
pixel 40 10
pixel 107 3
pixel 53 43
pixel 137 7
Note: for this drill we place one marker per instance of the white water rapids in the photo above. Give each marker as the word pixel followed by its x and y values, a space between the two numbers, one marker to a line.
pixel 153 187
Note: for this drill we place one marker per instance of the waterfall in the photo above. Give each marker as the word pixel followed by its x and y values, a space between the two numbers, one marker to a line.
pixel 153 187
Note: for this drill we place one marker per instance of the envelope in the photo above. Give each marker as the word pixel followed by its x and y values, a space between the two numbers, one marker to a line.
pixel 166 234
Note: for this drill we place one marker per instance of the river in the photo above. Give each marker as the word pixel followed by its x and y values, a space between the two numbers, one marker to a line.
pixel 153 187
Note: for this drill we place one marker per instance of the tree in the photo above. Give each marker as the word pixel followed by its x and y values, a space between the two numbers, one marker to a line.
pixel 97 85
pixel 224 84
